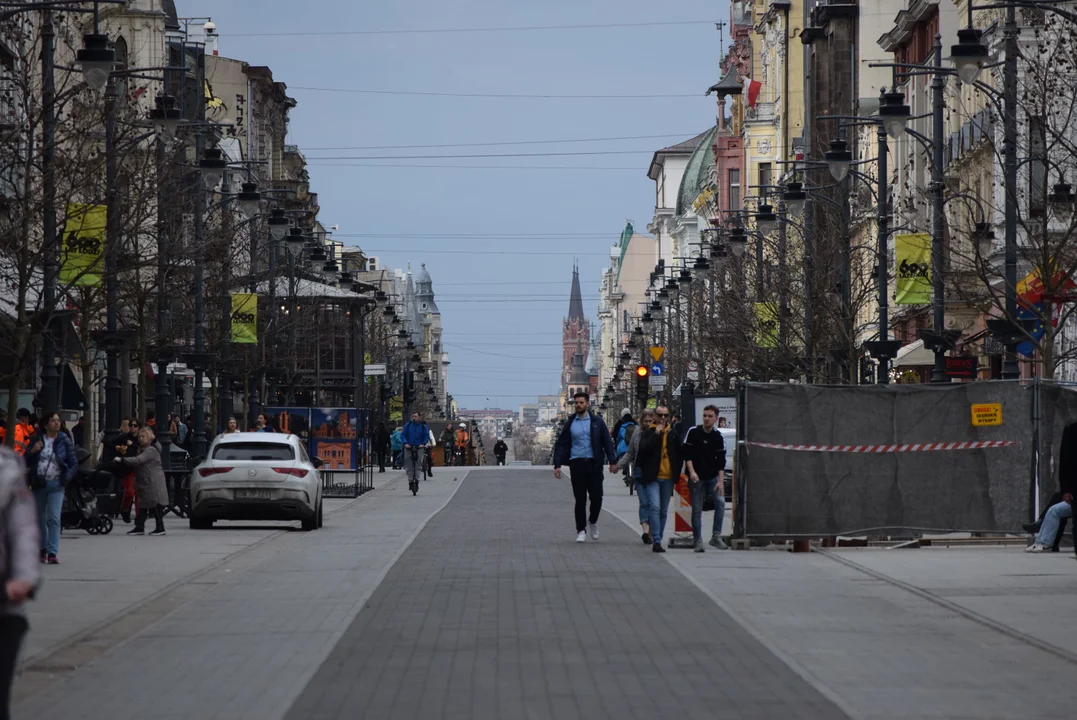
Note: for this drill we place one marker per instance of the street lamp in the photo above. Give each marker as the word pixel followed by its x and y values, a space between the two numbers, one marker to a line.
pixel 686 278
pixel 839 159
pixel 970 54
pixel 647 321
pixel 700 268
pixel 1061 199
pixel 765 219
pixel 295 240
pixel 664 299
pixel 248 199
pixel 894 114
pixel 166 117
pixel 738 241
pixel 278 225
pixel 795 197
pixel 97 60
pixel 213 165
pixel 984 238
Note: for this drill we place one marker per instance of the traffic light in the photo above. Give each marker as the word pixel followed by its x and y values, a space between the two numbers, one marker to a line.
pixel 643 382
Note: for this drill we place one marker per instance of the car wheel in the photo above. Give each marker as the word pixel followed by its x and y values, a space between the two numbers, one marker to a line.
pixel 310 523
pixel 199 523
pixel 321 516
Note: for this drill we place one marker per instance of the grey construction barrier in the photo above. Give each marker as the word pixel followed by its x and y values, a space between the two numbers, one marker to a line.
pixel 788 491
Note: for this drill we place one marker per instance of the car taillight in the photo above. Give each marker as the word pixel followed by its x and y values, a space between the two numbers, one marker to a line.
pixel 207 471
pixel 298 472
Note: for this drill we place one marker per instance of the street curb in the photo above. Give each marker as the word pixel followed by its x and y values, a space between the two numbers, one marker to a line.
pixel 804 673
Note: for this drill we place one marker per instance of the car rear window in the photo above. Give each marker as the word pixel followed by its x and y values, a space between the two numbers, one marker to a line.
pixel 253 451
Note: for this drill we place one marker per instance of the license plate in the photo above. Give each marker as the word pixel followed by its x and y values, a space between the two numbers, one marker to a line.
pixel 253 494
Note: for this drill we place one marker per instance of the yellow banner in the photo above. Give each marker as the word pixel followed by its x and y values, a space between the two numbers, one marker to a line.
pixel 245 318
pixel 766 333
pixel 396 408
pixel 83 245
pixel 913 260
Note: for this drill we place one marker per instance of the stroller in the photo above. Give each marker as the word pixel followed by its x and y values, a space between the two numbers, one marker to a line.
pixel 80 510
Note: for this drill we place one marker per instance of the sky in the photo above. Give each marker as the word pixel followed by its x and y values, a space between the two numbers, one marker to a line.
pixel 498 234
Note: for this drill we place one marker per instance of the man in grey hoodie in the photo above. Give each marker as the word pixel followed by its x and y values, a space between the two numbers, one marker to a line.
pixel 20 569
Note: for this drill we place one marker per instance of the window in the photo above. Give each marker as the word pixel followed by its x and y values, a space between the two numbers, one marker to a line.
pixel 253 451
pixel 765 177
pixel 1037 167
pixel 734 189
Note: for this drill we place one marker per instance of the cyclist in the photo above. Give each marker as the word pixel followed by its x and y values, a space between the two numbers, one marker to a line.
pixel 461 444
pixel 415 435
pixel 500 451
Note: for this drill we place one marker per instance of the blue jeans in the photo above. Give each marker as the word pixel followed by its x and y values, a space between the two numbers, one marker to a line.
pixel 700 491
pixel 649 499
pixel 665 492
pixel 50 501
pixel 1051 521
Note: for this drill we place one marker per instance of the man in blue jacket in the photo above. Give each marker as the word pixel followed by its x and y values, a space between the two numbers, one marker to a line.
pixel 415 435
pixel 583 443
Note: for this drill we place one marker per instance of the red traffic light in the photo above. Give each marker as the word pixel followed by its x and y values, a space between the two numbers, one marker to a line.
pixel 642 371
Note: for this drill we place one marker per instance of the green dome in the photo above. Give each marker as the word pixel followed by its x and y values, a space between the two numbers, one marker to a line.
pixel 698 173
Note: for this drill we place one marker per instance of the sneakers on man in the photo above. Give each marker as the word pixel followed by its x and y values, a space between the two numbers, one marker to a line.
pixel 657 547
pixel 136 531
pixel 594 530
pixel 581 536
pixel 1037 548
pixel 158 531
pixel 53 560
pixel 717 542
pixel 699 547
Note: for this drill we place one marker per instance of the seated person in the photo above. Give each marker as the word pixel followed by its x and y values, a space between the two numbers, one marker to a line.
pixel 1052 525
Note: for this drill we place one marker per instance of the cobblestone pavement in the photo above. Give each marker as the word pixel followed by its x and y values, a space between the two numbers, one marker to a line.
pixel 496 612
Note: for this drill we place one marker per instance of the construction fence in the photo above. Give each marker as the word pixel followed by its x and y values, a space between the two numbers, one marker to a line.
pixel 898 460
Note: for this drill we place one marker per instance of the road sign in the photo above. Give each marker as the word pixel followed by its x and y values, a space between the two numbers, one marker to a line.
pixel 693 366
pixel 987 414
pixel 656 352
pixel 658 382
pixel 375 369
pixel 657 369
pixel 693 375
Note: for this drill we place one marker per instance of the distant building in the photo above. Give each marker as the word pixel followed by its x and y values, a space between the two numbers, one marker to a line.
pixel 491 422
pixel 529 414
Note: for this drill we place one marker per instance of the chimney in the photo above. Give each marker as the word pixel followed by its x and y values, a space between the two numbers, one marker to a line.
pixel 211 37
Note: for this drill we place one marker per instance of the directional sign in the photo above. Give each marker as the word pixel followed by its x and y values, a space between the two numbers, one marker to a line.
pixel 657 381
pixel 375 369
pixel 656 352
pixel 657 369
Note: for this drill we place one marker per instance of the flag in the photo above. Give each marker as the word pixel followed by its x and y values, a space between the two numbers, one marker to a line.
pixel 83 245
pixel 913 259
pixel 751 90
pixel 245 318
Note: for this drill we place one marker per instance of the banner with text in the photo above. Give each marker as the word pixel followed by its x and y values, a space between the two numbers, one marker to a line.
pixel 766 317
pixel 245 318
pixel 913 259
pixel 83 245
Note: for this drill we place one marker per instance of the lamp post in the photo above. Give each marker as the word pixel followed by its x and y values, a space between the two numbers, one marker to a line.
pixel 938 287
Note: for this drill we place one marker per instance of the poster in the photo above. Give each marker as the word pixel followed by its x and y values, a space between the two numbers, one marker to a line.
pixel 396 408
pixel 333 437
pixel 295 421
pixel 913 260
pixel 727 409
pixel 766 316
pixel 83 245
pixel 245 318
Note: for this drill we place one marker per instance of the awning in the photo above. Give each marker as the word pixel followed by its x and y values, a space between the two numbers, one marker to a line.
pixel 914 354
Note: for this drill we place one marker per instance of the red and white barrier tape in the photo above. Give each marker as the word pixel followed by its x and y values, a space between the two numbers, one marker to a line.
pixel 912 447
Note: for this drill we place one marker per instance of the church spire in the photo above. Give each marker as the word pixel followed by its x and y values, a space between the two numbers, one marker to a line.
pixel 575 299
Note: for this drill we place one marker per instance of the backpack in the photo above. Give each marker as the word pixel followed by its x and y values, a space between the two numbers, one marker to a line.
pixel 624 437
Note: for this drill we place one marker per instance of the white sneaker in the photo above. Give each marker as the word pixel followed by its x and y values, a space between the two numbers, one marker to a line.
pixel 594 531
pixel 1037 548
pixel 581 536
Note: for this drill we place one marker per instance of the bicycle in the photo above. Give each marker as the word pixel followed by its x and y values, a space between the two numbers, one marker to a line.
pixel 416 468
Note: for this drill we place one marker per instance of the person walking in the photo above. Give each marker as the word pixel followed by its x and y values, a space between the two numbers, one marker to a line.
pixel 659 458
pixel 150 484
pixel 20 572
pixel 501 451
pixel 381 445
pixel 415 435
pixel 396 442
pixel 52 464
pixel 24 428
pixel 646 492
pixel 704 453
pixel 583 443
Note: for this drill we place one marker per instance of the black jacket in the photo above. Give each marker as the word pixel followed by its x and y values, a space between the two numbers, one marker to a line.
pixel 706 451
pixel 501 449
pixel 601 442
pixel 1067 460
pixel 649 457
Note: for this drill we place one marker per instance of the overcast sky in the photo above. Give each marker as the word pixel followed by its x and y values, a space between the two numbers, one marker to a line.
pixel 499 240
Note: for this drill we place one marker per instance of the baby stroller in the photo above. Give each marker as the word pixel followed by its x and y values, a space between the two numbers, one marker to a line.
pixel 80 509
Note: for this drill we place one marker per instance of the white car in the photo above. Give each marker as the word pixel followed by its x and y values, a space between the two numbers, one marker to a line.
pixel 257 476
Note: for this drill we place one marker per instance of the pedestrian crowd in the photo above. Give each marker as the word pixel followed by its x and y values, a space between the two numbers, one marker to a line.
pixel 655 454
